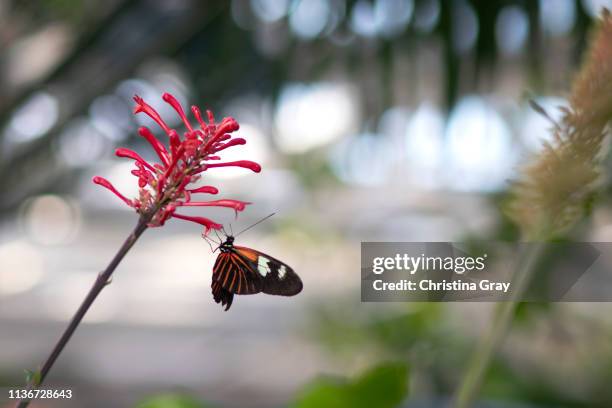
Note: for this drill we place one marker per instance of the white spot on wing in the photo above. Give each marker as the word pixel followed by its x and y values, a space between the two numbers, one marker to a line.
pixel 262 266
pixel 282 272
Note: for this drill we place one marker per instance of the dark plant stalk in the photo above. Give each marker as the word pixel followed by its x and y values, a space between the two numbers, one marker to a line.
pixel 101 281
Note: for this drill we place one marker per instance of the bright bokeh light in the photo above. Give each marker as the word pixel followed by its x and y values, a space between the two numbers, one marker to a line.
pixel 312 115
pixel 426 15
pixel 34 118
pixel 557 16
pixel 363 19
pixel 110 115
pixel 479 153
pixel 270 11
pixel 364 160
pixel 594 7
pixel 466 33
pixel 165 75
pixel 392 16
pixel 511 29
pixel 309 18
pixel 81 143
pixel 393 122
pixel 51 219
pixel 424 141
pixel 21 267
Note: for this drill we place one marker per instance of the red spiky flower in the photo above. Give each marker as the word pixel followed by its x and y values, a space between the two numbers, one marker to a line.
pixel 164 186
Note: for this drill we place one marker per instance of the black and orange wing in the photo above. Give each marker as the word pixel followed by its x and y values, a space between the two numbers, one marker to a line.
pixel 245 271
pixel 232 275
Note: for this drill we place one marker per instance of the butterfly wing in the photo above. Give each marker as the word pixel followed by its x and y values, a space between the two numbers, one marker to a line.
pixel 236 275
pixel 276 277
pixel 222 295
pixel 245 271
pixel 231 274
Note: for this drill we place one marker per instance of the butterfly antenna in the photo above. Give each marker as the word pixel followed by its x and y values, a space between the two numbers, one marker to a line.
pixel 258 222
pixel 218 237
pixel 231 229
pixel 209 240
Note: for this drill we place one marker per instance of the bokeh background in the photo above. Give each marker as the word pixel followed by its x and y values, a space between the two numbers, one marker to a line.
pixel 374 120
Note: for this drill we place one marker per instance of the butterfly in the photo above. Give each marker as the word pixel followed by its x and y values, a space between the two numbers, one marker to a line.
pixel 244 271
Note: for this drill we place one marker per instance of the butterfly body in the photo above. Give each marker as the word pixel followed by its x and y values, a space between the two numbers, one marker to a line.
pixel 245 271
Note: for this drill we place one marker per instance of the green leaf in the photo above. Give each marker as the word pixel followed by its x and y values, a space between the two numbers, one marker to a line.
pixel 384 386
pixel 325 392
pixel 171 401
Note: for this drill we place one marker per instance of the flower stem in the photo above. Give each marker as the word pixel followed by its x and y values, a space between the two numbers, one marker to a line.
pixel 500 326
pixel 100 283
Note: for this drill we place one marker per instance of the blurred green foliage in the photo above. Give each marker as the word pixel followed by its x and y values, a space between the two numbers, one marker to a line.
pixel 384 386
pixel 396 333
pixel 425 337
pixel 172 401
pixel 313 170
pixel 502 383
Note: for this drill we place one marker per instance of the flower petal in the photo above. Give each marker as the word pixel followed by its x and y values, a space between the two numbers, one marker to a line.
pixel 159 148
pixel 123 152
pixel 234 142
pixel 142 106
pixel 107 184
pixel 171 100
pixel 247 164
pixel 207 223
pixel 205 189
pixel 235 204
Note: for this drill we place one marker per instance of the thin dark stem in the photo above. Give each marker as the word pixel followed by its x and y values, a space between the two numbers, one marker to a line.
pixel 101 281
